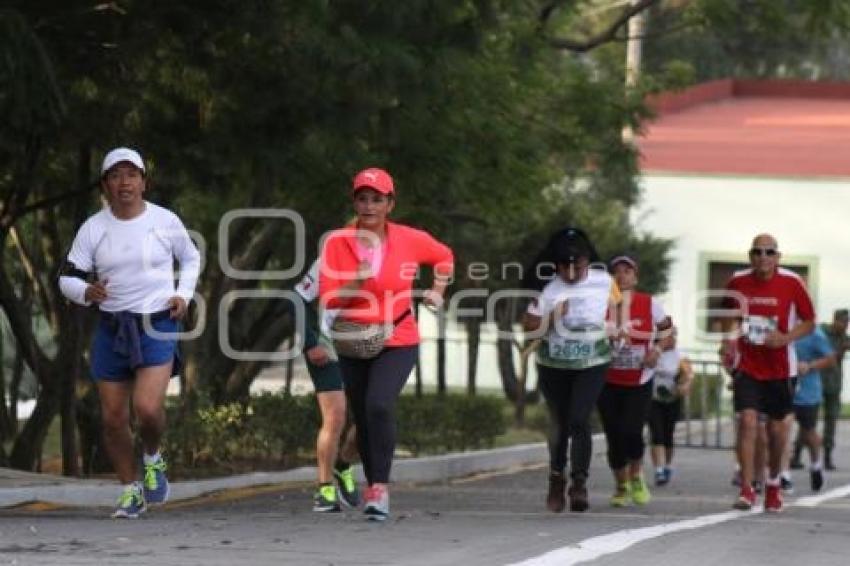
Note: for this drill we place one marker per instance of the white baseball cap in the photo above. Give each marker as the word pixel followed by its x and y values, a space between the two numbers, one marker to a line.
pixel 120 154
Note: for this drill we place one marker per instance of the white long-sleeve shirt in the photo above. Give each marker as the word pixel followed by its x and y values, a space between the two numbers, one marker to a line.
pixel 136 259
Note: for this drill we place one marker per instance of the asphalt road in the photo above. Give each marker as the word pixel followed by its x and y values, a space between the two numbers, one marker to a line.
pixel 490 519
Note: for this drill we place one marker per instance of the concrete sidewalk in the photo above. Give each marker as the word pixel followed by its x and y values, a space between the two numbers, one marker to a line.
pixel 18 487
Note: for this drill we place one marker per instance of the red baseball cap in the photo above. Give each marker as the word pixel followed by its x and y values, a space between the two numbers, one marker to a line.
pixel 374 178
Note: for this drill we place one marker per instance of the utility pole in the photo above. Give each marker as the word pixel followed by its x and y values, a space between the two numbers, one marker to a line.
pixel 634 42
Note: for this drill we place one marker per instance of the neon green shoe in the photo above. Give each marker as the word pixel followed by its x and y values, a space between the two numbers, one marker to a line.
pixel 347 485
pixel 131 503
pixel 155 485
pixel 640 493
pixel 325 500
pixel 622 497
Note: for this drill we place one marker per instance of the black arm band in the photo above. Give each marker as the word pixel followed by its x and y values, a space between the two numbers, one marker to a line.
pixel 68 269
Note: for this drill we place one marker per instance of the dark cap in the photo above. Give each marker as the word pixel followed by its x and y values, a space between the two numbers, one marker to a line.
pixel 570 248
pixel 565 246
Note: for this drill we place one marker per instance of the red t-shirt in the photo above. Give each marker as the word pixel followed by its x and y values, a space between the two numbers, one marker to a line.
pixel 385 297
pixel 627 367
pixel 779 303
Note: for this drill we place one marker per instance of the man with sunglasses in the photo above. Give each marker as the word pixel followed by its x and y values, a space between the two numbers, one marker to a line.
pixel 772 309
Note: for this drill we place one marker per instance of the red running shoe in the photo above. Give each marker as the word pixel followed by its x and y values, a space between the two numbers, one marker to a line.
pixel 746 499
pixel 773 499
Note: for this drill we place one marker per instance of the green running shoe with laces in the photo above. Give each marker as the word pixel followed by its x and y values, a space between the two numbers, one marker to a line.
pixel 325 500
pixel 348 492
pixel 131 503
pixel 640 493
pixel 622 497
pixel 155 484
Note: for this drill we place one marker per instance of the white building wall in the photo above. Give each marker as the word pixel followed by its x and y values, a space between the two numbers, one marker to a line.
pixel 720 215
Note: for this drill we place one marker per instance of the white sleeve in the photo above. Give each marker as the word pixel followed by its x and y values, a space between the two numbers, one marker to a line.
pixel 81 256
pixel 74 289
pixel 658 312
pixel 308 287
pixel 187 256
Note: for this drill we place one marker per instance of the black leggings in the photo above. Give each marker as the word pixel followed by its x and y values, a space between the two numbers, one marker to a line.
pixel 372 387
pixel 624 411
pixel 570 395
pixel 662 422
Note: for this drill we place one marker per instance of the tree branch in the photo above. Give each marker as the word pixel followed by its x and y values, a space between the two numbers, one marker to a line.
pixel 31 271
pixel 22 184
pixel 606 36
pixel 20 322
pixel 53 201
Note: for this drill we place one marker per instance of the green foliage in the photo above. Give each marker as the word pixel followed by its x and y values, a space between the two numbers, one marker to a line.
pixel 268 427
pixel 433 423
pixel 282 425
pixel 752 38
pixel 277 103
pixel 283 428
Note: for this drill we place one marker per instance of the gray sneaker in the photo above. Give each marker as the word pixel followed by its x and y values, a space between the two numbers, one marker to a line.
pixel 377 507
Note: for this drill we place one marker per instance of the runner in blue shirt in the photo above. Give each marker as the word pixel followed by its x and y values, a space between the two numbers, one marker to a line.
pixel 814 353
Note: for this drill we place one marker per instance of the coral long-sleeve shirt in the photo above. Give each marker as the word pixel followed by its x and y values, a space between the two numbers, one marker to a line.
pixel 386 296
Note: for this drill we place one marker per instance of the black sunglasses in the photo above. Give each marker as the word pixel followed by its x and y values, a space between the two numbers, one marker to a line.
pixel 770 252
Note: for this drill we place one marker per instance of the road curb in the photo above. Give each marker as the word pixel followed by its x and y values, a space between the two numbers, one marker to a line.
pixel 99 493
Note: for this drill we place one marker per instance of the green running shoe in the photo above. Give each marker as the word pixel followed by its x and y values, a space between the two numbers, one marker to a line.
pixel 131 503
pixel 640 493
pixel 622 497
pixel 155 484
pixel 325 500
pixel 348 492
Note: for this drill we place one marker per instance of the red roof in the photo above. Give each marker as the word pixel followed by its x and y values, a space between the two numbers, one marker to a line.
pixel 761 128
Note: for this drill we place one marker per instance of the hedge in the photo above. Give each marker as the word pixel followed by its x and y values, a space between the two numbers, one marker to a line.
pixel 281 429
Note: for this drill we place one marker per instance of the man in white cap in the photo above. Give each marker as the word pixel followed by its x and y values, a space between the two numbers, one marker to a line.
pixel 122 261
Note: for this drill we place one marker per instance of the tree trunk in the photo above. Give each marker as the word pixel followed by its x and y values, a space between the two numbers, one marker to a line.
pixel 505 345
pixel 525 356
pixel 6 430
pixel 68 416
pixel 26 453
pixel 418 367
pixel 14 390
pixel 442 386
pixel 505 349
pixel 5 421
pixel 290 367
pixel 473 342
pixel 68 399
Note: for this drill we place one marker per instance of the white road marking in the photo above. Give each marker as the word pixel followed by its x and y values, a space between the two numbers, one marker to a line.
pixel 815 500
pixel 596 547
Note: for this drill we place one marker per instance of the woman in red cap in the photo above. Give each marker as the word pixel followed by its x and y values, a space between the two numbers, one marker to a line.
pixel 367 272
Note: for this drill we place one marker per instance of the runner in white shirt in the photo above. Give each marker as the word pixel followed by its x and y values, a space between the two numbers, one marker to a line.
pixel 122 260
pixel 571 316
pixel 672 378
